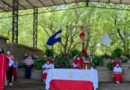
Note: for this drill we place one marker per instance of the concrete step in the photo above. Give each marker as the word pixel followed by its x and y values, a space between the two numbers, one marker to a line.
pixel 26 84
pixel 113 86
pixel 105 75
pixel 23 84
pixel 128 61
pixel 125 66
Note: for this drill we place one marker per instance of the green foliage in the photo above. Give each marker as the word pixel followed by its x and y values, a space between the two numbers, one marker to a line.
pixel 97 60
pixel 38 63
pixel 49 52
pixel 109 65
pixel 62 61
pixel 117 52
pixel 74 52
pixel 100 21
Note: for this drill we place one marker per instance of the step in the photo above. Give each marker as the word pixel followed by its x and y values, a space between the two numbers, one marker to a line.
pixel 113 86
pixel 23 84
pixel 104 74
pixel 26 84
pixel 128 61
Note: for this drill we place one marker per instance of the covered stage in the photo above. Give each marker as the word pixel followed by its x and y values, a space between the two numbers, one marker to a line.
pixel 14 6
pixel 8 5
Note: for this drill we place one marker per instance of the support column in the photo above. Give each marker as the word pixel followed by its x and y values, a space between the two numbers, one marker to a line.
pixel 15 21
pixel 35 26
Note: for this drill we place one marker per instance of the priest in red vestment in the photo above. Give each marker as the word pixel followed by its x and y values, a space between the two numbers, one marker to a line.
pixel 3 68
pixel 78 62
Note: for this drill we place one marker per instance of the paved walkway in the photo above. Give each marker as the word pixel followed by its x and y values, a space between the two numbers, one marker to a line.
pixel 38 85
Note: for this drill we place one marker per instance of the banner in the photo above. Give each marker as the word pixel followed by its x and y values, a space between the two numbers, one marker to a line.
pixel 105 39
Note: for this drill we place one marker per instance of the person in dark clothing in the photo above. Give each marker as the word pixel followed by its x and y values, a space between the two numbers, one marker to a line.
pixel 11 62
pixel 28 66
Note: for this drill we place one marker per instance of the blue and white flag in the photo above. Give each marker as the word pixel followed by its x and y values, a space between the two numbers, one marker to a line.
pixel 54 38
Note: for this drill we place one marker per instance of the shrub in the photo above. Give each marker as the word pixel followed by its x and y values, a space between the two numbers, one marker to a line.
pixel 97 60
pixel 74 52
pixel 109 65
pixel 38 63
pixel 62 61
pixel 117 52
pixel 49 52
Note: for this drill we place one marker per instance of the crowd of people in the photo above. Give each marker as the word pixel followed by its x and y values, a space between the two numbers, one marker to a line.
pixel 9 67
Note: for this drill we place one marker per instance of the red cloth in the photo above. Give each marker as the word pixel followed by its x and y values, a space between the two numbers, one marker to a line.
pixel 82 35
pixel 44 75
pixel 3 68
pixel 79 62
pixel 70 85
pixel 84 53
pixel 118 77
pixel 15 73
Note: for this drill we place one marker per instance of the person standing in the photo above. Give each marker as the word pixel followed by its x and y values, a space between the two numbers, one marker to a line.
pixel 28 66
pixel 3 68
pixel 10 72
pixel 117 73
pixel 48 65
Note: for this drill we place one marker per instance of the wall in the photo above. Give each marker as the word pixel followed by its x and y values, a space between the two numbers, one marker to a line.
pixel 19 50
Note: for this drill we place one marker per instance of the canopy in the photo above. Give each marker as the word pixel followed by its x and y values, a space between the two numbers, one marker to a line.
pixel 7 5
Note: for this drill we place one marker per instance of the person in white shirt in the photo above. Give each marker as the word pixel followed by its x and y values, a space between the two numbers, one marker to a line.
pixel 28 67
pixel 117 73
pixel 48 65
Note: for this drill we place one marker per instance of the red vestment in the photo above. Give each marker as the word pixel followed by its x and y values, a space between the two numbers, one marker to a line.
pixel 118 77
pixel 82 35
pixel 78 62
pixel 84 53
pixel 3 69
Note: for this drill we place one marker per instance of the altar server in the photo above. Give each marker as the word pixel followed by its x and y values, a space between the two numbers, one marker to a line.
pixel 48 65
pixel 78 62
pixel 117 73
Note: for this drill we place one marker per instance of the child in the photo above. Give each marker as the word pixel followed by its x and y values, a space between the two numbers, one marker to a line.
pixel 48 65
pixel 118 73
